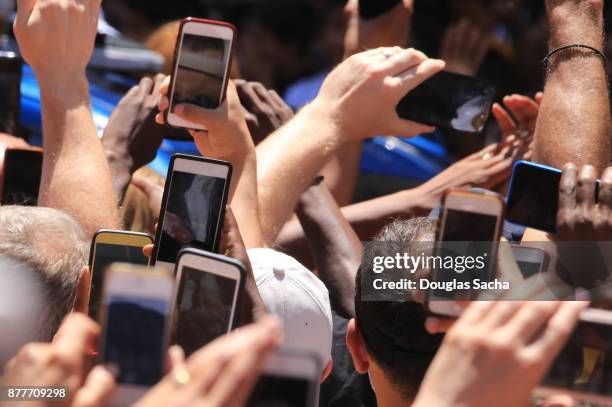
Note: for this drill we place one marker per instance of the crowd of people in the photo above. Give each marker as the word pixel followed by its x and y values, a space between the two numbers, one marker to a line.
pixel 291 209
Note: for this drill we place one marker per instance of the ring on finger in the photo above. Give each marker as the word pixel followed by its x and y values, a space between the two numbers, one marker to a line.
pixel 181 377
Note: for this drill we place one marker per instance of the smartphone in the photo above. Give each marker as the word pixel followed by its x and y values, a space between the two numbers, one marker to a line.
pixel 449 101
pixel 21 176
pixel 207 296
pixel 470 224
pixel 135 320
pixel 369 9
pixel 530 260
pixel 108 247
pixel 202 59
pixel 583 369
pixel 533 197
pixel 193 206
pixel 289 379
pixel 10 91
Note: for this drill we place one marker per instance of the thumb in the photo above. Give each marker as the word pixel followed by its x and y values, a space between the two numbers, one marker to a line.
pixel 147 186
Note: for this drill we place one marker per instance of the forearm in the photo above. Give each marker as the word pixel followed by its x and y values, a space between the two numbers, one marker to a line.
pixel 334 245
pixel 342 170
pixel 574 120
pixel 289 160
pixel 244 200
pixel 368 217
pixel 76 177
pixel 121 173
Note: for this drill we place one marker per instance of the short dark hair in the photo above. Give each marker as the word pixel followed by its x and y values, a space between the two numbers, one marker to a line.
pixel 394 331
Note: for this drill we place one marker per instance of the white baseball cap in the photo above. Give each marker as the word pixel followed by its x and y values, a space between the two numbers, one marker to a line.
pixel 298 297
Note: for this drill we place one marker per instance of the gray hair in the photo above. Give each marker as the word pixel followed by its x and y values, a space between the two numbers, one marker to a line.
pixel 53 244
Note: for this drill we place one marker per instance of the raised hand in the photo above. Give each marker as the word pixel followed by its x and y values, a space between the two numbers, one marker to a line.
pixel 464 48
pixel 497 352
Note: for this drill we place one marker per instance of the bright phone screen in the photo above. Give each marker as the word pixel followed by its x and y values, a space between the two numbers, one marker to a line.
pixel 200 71
pixel 22 173
pixel 585 364
pixel 204 308
pixel 276 391
pixel 192 214
pixel 105 255
pixel 134 341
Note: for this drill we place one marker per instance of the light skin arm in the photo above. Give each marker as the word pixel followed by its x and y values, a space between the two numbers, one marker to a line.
pixel 290 158
pixel 227 138
pixel 574 123
pixel 76 177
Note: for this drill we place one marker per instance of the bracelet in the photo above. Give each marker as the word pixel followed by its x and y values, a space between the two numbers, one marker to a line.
pixel 595 50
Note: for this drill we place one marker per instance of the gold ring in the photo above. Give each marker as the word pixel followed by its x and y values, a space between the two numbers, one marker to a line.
pixel 181 377
pixel 485 155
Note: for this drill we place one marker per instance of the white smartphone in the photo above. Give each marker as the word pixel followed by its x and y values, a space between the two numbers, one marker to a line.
pixel 193 207
pixel 530 260
pixel 202 59
pixel 583 369
pixel 289 379
pixel 209 289
pixel 470 224
pixel 135 320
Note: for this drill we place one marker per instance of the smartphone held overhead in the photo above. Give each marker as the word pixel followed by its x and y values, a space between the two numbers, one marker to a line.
pixel 202 59
pixel 209 289
pixel 449 101
pixel 193 206
pixel 470 225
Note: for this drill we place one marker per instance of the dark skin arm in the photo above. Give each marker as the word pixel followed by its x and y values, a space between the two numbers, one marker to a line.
pixel 252 306
pixel 335 247
pixel 574 121
pixel 131 137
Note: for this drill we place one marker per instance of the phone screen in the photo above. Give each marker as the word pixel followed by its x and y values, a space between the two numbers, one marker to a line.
pixel 277 391
pixel 192 215
pixel 585 363
pixel 200 71
pixel 10 91
pixel 105 255
pixel 467 234
pixel 204 308
pixel 134 341
pixel 369 9
pixel 22 173
pixel 449 101
pixel 534 197
pixel 528 268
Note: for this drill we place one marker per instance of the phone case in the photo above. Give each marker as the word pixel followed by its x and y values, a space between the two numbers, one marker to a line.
pixel 175 135
pixel 218 257
pixel 160 221
pixel 99 232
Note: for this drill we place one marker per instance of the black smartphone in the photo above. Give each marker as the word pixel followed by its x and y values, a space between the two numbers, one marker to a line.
pixel 533 197
pixel 449 101
pixel 207 297
pixel 193 206
pixel 583 369
pixel 10 91
pixel 108 247
pixel 21 176
pixel 369 9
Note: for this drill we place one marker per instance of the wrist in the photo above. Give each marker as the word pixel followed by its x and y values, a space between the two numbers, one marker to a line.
pixel 328 115
pixel 64 89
